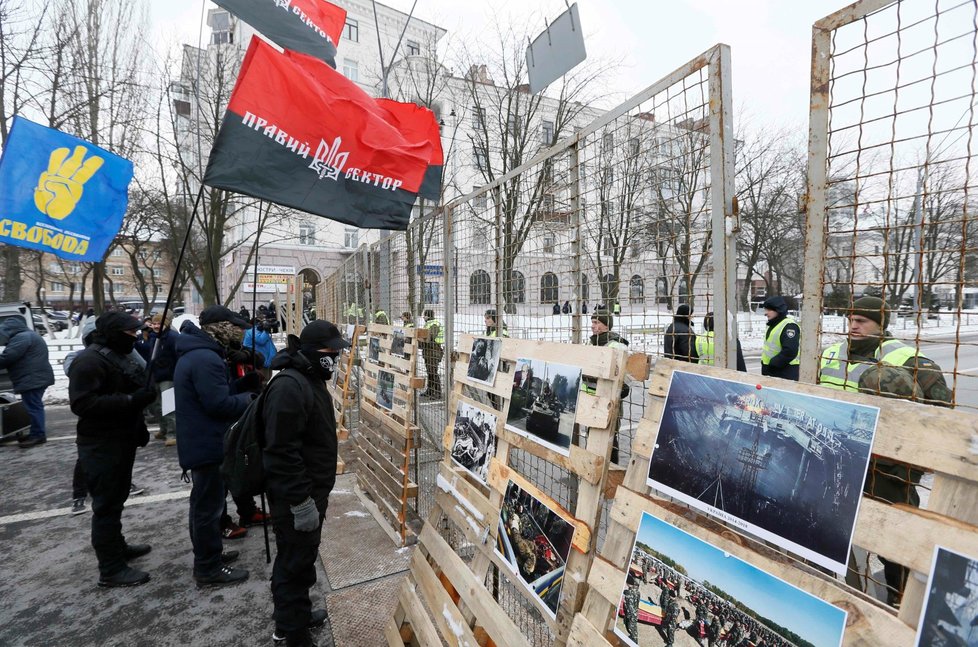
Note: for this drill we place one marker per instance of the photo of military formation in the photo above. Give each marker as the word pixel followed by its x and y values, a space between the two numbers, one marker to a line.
pixel 473 439
pixel 385 389
pixel 950 616
pixel 544 402
pixel 785 466
pixel 683 591
pixel 484 360
pixel 535 541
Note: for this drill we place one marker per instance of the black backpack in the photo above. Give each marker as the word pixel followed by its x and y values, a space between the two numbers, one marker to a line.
pixel 244 441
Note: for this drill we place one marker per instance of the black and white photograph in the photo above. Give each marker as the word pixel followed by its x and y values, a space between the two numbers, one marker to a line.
pixel 348 332
pixel 484 360
pixel 787 467
pixel 950 613
pixel 535 542
pixel 373 349
pixel 397 343
pixel 474 439
pixel 685 592
pixel 544 402
pixel 385 389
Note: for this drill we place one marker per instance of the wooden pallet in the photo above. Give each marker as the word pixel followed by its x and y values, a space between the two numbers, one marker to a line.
pixel 341 388
pixel 935 438
pixel 387 439
pixel 463 611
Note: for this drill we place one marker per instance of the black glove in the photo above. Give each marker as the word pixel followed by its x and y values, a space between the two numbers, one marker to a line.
pixel 250 382
pixel 142 398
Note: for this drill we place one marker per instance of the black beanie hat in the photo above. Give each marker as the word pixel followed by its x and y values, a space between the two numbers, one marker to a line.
pixel 115 320
pixel 604 317
pixel 872 308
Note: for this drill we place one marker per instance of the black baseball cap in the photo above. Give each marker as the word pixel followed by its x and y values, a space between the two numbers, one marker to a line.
pixel 115 320
pixel 321 334
pixel 217 314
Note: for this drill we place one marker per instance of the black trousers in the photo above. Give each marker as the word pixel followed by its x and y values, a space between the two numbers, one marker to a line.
pixel 206 506
pixel 293 574
pixel 78 488
pixel 107 467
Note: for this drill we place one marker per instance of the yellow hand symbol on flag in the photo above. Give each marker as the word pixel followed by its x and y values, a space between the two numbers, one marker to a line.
pixel 59 188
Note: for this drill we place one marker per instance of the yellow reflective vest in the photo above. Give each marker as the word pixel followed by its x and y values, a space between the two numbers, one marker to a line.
pixel 704 347
pixel 772 344
pixel 836 371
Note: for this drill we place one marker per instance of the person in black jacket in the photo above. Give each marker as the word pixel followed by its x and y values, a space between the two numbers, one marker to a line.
pixel 300 470
pixel 25 357
pixel 107 392
pixel 679 341
pixel 779 355
pixel 207 404
pixel 162 371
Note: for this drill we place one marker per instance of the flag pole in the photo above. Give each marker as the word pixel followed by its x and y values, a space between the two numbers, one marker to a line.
pixel 173 284
pixel 254 284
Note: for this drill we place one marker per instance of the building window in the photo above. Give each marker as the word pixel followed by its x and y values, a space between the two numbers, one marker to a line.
pixel 74 268
pixel 607 142
pixel 351 70
pixel 549 243
pixel 220 24
pixel 57 287
pixel 633 146
pixel 479 158
pixel 181 108
pixel 481 201
pixel 609 287
pixel 157 273
pixel 118 271
pixel 517 288
pixel 585 290
pixel 431 293
pixel 636 289
pixel 549 288
pixel 351 237
pixel 547 203
pixel 480 288
pixel 662 290
pixel 413 48
pixel 547 132
pixel 607 246
pixel 511 126
pixel 117 252
pixel 352 31
pixel 478 118
pixel 307 234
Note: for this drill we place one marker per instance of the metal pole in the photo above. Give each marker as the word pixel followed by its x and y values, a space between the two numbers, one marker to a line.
pixel 576 244
pixel 500 271
pixel 449 258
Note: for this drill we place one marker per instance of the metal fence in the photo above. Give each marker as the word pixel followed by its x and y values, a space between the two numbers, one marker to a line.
pixel 890 213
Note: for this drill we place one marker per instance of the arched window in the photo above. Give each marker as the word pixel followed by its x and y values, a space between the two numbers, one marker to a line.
pixel 683 291
pixel 662 290
pixel 549 288
pixel 636 289
pixel 480 288
pixel 584 287
pixel 517 288
pixel 609 288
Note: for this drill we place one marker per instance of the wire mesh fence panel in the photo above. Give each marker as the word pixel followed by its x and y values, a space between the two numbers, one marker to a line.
pixel 890 215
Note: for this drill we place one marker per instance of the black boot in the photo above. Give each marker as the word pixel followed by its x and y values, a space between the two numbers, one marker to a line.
pixel 134 551
pixel 223 577
pixel 300 639
pixel 126 577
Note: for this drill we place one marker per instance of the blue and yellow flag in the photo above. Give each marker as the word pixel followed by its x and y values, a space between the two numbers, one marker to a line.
pixel 60 194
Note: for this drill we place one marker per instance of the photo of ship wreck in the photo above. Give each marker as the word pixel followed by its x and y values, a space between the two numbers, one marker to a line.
pixel 785 466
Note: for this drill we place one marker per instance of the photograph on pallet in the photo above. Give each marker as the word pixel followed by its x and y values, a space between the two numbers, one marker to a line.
pixel 534 541
pixel 950 613
pixel 385 390
pixel 484 360
pixel 787 467
pixel 348 332
pixel 681 590
pixel 373 350
pixel 397 343
pixel 544 402
pixel 474 439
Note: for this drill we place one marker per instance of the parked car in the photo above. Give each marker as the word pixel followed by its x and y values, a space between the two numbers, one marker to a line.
pixel 14 420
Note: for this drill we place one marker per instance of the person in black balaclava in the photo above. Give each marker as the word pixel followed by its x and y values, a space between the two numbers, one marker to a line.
pixel 679 341
pixel 300 470
pixel 107 390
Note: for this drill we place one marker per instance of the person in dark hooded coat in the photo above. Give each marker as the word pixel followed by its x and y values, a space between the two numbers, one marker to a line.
pixel 782 340
pixel 680 340
pixel 26 359
pixel 300 470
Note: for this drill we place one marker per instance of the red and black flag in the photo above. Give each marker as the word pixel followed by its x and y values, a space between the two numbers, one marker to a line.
pixel 415 121
pixel 311 27
pixel 300 134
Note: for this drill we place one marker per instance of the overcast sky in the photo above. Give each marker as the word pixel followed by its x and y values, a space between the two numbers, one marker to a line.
pixel 770 39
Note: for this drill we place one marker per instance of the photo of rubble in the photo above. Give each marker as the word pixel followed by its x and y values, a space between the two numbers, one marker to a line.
pixel 784 466
pixel 535 542
pixel 484 360
pixel 473 439
pixel 683 591
pixel 544 402
pixel 373 350
pixel 950 613
pixel 397 343
pixel 385 389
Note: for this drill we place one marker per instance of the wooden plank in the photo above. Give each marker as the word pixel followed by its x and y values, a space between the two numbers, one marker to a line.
pixel 387 474
pixel 382 499
pixel 472 591
pixel 340 466
pixel 448 618
pixel 595 361
pixel 467 496
pixel 388 458
pixel 383 423
pixel 393 635
pixel 499 477
pixel 637 366
pixel 584 634
pixel 581 462
pixel 415 614
pixel 616 475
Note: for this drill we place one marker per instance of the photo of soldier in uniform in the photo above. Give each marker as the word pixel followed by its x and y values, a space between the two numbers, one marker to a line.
pixel 397 343
pixel 544 402
pixel 385 389
pixel 787 467
pixel 484 360
pixel 473 439
pixel 680 590
pixel 535 542
pixel 950 613
pixel 373 349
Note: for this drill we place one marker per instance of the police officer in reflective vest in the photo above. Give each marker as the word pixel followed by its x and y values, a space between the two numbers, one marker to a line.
pixel 705 348
pixel 601 335
pixel 871 361
pixel 380 317
pixel 433 349
pixel 491 325
pixel 779 356
pixel 407 319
